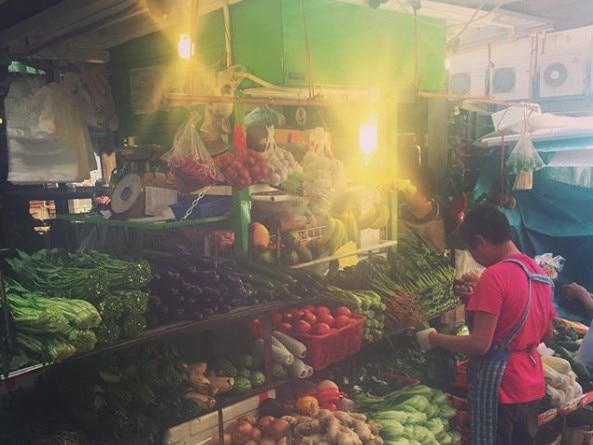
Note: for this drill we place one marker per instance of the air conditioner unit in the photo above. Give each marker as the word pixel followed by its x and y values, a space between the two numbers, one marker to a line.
pixel 467 81
pixel 562 74
pixel 510 81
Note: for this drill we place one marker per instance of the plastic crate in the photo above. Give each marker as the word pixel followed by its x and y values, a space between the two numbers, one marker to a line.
pixel 323 350
pixel 208 205
pixel 461 376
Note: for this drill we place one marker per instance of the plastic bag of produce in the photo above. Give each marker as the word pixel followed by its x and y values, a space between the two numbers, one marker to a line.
pixel 523 161
pixel 189 160
pixel 280 162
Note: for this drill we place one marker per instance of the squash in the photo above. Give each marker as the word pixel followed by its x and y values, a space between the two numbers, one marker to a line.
pixel 260 235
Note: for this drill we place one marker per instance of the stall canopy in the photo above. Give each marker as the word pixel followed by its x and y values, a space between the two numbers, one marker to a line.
pixel 556 215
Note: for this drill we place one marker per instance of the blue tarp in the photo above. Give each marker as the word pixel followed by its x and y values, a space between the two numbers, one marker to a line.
pixel 553 217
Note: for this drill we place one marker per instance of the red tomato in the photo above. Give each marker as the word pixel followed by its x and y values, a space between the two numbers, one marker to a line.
pixel 309 307
pixel 309 317
pixel 326 318
pixel 322 310
pixel 341 320
pixel 287 316
pixel 297 313
pixel 284 327
pixel 321 328
pixel 277 317
pixel 342 310
pixel 301 327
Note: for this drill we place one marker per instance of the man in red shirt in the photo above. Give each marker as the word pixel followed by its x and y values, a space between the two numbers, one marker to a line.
pixel 510 313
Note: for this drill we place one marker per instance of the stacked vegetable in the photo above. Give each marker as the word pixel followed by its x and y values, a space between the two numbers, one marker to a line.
pixel 416 415
pixel 115 287
pixel 191 287
pixel 50 329
pixel 561 381
pixel 349 292
pixel 118 399
pixel 400 308
pixel 566 342
pixel 419 269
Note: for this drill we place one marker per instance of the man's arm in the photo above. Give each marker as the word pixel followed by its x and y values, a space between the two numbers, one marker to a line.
pixel 578 292
pixel 479 340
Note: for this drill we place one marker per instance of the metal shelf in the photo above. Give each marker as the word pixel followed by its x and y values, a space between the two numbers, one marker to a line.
pixel 213 322
pixel 147 224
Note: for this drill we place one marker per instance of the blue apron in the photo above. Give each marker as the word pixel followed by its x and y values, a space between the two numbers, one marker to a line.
pixel 485 374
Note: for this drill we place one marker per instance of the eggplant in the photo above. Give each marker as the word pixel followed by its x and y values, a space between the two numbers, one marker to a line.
pixel 204 276
pixel 211 292
pixel 232 280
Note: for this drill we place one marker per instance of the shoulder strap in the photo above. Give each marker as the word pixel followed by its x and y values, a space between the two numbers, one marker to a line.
pixel 530 277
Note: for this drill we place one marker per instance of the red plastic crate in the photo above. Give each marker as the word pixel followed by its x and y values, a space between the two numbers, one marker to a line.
pixel 461 377
pixel 323 350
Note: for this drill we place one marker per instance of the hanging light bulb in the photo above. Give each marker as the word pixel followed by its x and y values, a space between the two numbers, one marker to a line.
pixel 367 137
pixel 185 47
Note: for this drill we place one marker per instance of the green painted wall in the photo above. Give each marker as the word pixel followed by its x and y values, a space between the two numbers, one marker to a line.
pixel 349 45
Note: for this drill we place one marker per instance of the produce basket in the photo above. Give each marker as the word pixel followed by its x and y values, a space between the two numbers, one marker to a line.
pixel 323 350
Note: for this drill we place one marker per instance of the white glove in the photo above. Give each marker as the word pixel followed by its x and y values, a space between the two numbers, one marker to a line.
pixel 423 338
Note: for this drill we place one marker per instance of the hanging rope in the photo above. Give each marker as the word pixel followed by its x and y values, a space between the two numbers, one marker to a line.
pixel 308 66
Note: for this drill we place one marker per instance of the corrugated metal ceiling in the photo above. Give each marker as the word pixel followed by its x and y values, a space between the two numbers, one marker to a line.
pixel 86 29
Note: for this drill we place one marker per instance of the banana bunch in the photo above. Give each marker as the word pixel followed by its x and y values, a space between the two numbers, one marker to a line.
pixel 334 234
pixel 349 220
pixel 375 218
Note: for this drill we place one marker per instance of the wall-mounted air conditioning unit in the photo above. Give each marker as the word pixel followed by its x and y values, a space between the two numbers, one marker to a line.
pixel 467 81
pixel 562 74
pixel 510 81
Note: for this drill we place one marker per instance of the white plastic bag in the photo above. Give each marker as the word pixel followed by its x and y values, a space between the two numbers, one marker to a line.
pixel 523 161
pixel 189 159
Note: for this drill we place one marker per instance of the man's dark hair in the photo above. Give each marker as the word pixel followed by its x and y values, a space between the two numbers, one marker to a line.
pixel 488 221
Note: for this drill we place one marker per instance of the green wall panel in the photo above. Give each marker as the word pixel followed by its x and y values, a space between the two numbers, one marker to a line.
pixel 256 29
pixel 348 44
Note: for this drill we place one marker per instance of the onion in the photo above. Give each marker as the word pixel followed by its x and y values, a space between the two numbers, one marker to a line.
pixel 264 423
pixel 327 384
pixel 345 404
pixel 279 428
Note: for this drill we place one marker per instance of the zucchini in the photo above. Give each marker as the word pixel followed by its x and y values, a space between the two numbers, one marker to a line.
pixel 571 345
pixel 582 372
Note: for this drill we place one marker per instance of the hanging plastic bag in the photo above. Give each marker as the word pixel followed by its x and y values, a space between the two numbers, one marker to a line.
pixel 280 162
pixel 190 162
pixel 523 161
pixel 551 264
pixel 243 167
pixel 322 173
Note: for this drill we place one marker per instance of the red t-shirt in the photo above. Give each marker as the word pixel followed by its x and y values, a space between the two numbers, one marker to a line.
pixel 502 291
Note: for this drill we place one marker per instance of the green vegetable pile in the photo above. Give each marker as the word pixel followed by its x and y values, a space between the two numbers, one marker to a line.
pixel 115 287
pixel 360 301
pixel 131 397
pixel 419 269
pixel 50 329
pixel 416 415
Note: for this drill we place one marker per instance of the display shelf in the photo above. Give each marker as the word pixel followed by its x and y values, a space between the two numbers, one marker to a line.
pixel 565 409
pixel 222 222
pixel 371 249
pixel 213 322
